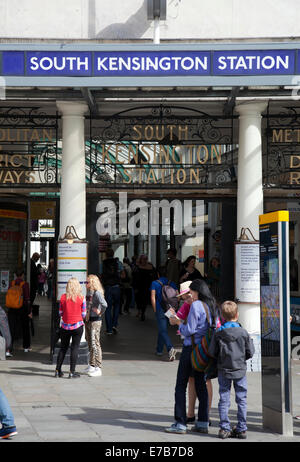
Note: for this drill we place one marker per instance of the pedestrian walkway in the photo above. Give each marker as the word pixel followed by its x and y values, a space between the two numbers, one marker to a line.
pixel 133 401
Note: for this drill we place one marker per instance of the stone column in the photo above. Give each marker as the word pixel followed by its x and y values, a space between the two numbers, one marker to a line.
pixel 73 193
pixel 250 197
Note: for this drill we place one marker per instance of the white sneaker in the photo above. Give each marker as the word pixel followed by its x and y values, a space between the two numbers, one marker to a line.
pixel 8 354
pixel 96 373
pixel 26 350
pixel 89 369
pixel 172 354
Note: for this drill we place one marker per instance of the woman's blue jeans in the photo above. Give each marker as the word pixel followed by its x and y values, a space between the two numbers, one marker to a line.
pixel 6 415
pixel 183 374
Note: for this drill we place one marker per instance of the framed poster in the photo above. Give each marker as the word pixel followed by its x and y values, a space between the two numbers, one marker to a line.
pixel 246 263
pixel 4 281
pixel 72 261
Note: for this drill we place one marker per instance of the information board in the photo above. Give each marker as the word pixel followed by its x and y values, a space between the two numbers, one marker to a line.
pixel 71 262
pixel 247 287
pixel 275 322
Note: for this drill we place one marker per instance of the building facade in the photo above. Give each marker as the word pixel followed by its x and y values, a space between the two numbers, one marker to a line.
pixel 108 117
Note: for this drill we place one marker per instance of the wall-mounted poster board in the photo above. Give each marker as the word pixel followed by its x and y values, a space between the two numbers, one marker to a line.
pixel 72 261
pixel 246 258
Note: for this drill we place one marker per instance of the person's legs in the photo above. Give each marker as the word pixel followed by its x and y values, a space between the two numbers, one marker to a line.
pixel 13 319
pixel 224 402
pixel 6 415
pixel 65 337
pixel 76 335
pixel 240 386
pixel 192 396
pixel 25 328
pixel 202 395
pixel 116 297
pixel 96 347
pixel 163 336
pixel 88 337
pixel 183 375
pixel 128 296
pixel 108 311
pixel 210 394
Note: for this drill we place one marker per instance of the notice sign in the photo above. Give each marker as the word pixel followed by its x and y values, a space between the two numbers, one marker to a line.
pixel 71 262
pixel 247 276
pixel 4 281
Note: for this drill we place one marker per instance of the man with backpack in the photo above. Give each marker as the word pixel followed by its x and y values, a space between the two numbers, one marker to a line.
pixel 163 297
pixel 19 309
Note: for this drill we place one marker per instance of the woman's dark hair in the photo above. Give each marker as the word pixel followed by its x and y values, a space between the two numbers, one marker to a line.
pixel 187 261
pixel 204 294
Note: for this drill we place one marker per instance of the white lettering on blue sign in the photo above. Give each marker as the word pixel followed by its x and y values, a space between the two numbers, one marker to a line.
pixel 145 63
pixel 63 63
pixel 150 63
pixel 253 62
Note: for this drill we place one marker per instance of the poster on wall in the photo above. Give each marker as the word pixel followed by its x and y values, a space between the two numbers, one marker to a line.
pixel 247 286
pixel 4 281
pixel 71 262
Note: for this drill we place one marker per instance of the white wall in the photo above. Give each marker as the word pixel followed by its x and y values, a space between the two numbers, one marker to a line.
pixel 127 20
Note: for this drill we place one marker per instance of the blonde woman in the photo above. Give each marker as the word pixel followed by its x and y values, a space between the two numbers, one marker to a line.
pixel 96 306
pixel 72 310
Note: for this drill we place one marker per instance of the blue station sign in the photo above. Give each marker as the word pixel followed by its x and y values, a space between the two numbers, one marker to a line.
pixel 150 63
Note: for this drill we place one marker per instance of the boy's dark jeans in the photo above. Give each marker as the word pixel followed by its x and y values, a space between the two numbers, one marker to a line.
pixel 240 386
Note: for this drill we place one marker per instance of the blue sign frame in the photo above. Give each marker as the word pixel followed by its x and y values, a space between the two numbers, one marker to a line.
pixel 128 65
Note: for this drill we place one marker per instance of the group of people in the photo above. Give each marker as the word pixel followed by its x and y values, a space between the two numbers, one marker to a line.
pixel 231 345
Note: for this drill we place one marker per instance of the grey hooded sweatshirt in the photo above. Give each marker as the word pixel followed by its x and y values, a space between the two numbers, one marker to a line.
pixel 231 345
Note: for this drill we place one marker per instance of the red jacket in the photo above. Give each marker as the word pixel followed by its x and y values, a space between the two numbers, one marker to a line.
pixel 71 311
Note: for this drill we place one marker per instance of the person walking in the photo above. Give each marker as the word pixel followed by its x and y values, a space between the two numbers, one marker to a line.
pixel 112 270
pixel 126 283
pixel 34 273
pixel 173 266
pixel 50 274
pixel 96 306
pixel 232 346
pixel 6 418
pixel 143 278
pixel 72 310
pixel 20 316
pixel 196 325
pixel 189 272
pixel 163 338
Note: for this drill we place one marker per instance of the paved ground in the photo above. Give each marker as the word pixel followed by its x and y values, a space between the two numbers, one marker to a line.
pixel 132 402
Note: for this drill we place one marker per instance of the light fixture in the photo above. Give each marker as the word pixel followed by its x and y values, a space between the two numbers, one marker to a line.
pixel 70 235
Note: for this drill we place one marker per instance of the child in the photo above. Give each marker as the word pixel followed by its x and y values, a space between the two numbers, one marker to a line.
pixel 232 346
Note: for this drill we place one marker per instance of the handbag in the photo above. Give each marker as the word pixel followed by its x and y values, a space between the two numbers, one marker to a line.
pixel 200 358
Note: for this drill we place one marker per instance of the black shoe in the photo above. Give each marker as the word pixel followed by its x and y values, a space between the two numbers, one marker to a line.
pixel 190 419
pixel 200 429
pixel 239 435
pixel 74 375
pixel 58 373
pixel 115 330
pixel 223 434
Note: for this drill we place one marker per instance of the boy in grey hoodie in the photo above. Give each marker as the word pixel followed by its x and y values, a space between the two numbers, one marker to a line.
pixel 232 346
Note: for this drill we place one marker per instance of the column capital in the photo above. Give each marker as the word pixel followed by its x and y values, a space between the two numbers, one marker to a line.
pixel 251 108
pixel 72 108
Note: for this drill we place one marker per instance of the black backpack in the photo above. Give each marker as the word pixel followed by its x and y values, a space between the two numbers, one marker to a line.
pixel 169 296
